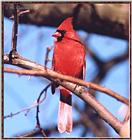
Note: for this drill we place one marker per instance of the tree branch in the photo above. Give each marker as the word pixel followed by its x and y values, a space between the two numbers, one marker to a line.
pixel 49 73
pixel 88 98
pixel 89 123
pixel 15 29
pixel 111 19
pixel 38 70
pixel 27 109
pixel 37 110
pixel 48 131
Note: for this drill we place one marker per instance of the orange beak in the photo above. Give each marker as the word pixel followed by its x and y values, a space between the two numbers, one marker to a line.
pixel 56 34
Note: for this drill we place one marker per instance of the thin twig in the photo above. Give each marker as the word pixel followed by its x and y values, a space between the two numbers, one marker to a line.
pixel 27 109
pixel 49 130
pixel 47 55
pixel 27 134
pixel 19 13
pixel 15 30
pixel 37 110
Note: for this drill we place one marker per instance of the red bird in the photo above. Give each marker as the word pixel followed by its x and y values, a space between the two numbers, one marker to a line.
pixel 68 59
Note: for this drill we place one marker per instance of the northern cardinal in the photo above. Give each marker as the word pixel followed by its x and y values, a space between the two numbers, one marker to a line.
pixel 68 59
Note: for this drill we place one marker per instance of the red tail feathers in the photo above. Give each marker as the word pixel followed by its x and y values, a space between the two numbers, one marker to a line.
pixel 65 111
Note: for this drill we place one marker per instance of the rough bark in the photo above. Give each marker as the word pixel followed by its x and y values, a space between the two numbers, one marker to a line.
pixel 111 19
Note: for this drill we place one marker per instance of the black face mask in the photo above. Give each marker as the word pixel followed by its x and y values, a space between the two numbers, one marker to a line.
pixel 62 32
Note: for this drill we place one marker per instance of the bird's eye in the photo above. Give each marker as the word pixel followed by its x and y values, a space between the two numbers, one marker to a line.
pixel 61 31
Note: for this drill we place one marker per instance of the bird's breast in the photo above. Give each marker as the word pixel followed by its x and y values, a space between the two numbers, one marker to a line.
pixel 69 58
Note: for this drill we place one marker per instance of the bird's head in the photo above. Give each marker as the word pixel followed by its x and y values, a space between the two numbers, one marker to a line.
pixel 65 30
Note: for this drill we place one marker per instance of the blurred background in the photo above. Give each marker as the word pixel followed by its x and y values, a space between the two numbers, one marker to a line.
pixel 104 30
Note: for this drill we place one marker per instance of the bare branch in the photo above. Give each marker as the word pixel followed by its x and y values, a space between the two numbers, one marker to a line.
pixel 110 19
pixel 27 109
pixel 39 70
pixel 51 74
pixel 15 29
pixel 88 98
pixel 20 13
pixel 37 110
pixel 89 123
pixel 48 49
pixel 49 130
pixel 125 129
